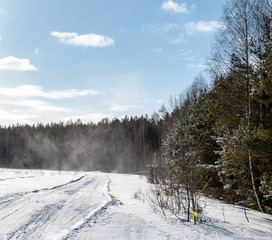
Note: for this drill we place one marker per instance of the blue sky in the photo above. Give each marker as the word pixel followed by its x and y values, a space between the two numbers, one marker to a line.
pixel 90 59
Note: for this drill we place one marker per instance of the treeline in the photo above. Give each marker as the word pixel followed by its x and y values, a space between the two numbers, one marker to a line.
pixel 111 145
pixel 220 138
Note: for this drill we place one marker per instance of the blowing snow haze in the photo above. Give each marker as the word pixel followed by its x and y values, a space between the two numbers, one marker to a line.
pixel 110 146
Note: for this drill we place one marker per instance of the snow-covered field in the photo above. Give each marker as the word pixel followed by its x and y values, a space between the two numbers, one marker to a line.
pixel 79 205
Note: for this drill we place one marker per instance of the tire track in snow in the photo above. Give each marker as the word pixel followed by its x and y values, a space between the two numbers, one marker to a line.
pixel 14 178
pixel 33 211
pixel 94 215
pixel 10 198
pixel 37 222
pixel 52 213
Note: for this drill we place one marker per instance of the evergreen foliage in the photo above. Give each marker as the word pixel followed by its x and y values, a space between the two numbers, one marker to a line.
pixel 220 141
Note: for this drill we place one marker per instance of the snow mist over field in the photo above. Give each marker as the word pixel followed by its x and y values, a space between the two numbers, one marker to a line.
pixel 36 204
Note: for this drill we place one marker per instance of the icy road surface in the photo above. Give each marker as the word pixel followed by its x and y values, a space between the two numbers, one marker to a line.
pixel 68 205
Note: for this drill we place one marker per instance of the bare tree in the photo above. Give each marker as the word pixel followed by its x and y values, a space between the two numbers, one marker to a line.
pixel 178 191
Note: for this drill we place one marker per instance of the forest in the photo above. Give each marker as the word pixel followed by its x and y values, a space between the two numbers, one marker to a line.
pixel 110 145
pixel 215 138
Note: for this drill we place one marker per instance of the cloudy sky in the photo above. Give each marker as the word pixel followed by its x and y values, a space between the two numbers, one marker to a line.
pixel 91 59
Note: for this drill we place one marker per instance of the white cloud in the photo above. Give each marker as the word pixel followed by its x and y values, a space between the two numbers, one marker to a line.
pixel 189 55
pixel 184 52
pixel 37 50
pixel 158 50
pixel 22 111
pixel 36 106
pixel 164 28
pixel 86 40
pixel 202 26
pixel 9 117
pixel 28 91
pixel 196 67
pixel 169 26
pixel 18 64
pixel 179 39
pixel 151 28
pixel 171 6
pixel 122 108
pixel 89 117
pixel 19 104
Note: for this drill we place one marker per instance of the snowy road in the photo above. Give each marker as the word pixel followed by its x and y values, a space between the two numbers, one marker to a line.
pixel 52 205
pixel 55 212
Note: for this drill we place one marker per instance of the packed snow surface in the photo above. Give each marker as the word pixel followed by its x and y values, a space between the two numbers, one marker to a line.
pixel 93 205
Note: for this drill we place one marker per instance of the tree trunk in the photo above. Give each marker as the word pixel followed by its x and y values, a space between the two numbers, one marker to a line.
pixel 253 181
pixel 249 101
